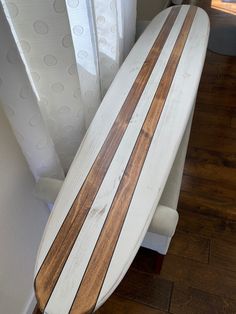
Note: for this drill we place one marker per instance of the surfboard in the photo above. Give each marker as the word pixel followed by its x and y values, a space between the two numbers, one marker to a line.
pixel 115 182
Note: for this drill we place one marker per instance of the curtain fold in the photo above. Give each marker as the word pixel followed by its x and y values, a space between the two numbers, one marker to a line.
pixel 83 31
pixel 68 53
pixel 21 108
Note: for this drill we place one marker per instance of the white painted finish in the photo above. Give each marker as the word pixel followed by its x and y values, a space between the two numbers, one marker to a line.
pixel 156 169
pixel 163 222
pixel 157 241
pixel 96 134
pixel 71 276
pixel 162 227
pixel 150 185
pixel 170 195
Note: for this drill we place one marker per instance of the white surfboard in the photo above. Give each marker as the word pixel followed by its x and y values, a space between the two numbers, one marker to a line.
pixel 114 185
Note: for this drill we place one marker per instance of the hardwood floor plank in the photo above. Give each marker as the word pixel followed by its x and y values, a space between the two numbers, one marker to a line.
pixel 203 187
pixel 219 77
pixel 221 97
pixel 219 207
pixel 222 175
pixel 118 305
pixel 207 197
pixel 214 58
pixel 206 226
pixel 190 246
pixel 186 300
pixel 148 289
pixel 218 83
pixel 218 73
pixel 207 156
pixel 223 254
pixel 213 143
pixel 201 117
pixel 226 131
pixel 201 276
pixel 209 114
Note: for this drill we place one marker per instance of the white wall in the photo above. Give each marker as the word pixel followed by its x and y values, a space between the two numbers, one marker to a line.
pixel 22 220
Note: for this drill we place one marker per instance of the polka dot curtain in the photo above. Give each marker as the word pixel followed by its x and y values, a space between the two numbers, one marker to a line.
pixel 57 60
pixel 19 102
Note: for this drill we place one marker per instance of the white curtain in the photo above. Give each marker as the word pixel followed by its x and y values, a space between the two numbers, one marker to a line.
pixel 57 60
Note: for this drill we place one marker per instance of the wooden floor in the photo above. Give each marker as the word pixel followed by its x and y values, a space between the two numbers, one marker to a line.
pixel 199 272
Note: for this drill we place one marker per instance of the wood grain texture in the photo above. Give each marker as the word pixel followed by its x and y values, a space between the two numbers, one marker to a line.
pixel 207 226
pixel 148 289
pixel 209 198
pixel 206 278
pixel 208 156
pixel 215 143
pixel 186 300
pixel 223 254
pixel 91 284
pixel 223 207
pixel 221 118
pixel 190 246
pixel 37 310
pixel 225 132
pixel 205 187
pixel 210 171
pixel 118 305
pixel 63 243
pixel 212 155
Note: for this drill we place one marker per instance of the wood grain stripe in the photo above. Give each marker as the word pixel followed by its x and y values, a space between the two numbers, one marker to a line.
pixel 56 258
pixel 93 279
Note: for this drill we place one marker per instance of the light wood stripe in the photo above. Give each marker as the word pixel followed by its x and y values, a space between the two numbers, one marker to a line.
pixel 88 292
pixel 53 264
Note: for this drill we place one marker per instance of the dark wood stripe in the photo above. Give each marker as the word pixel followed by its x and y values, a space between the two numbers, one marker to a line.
pixel 55 260
pixel 87 295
